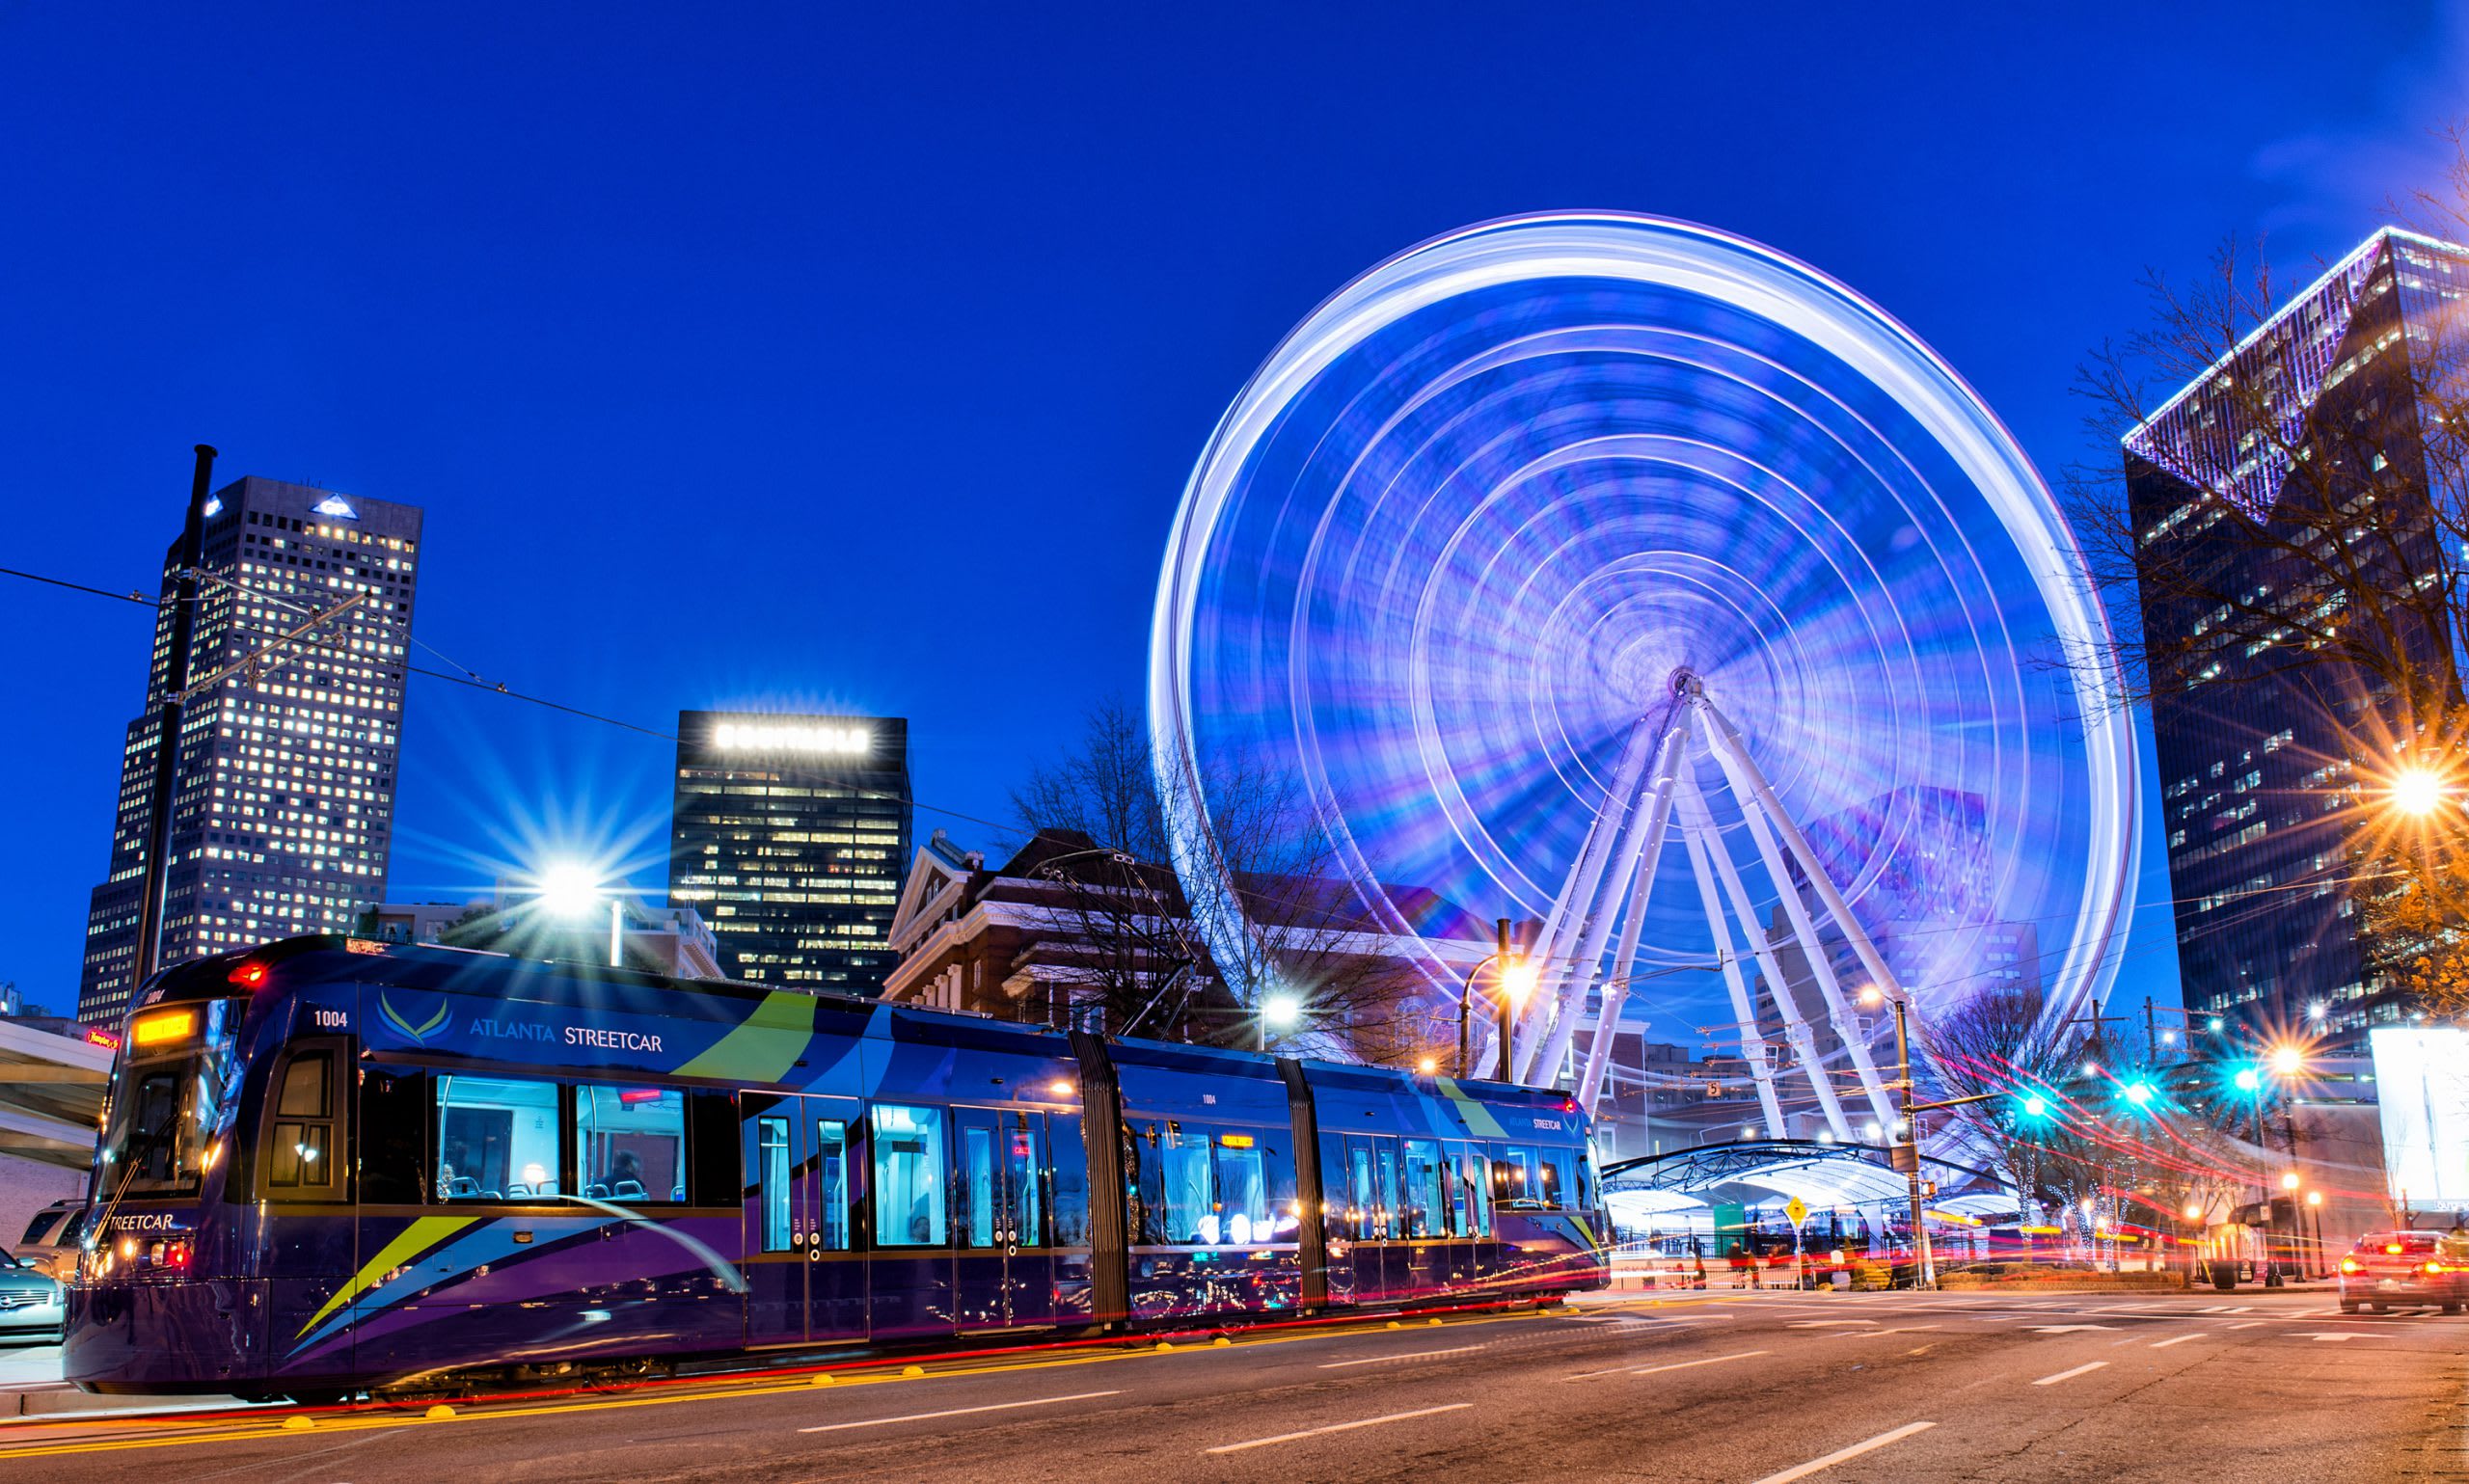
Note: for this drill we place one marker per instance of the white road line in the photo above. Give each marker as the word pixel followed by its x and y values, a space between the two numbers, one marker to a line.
pixel 1338 1427
pixel 1633 1371
pixel 1825 1324
pixel 2248 1325
pixel 2069 1375
pixel 1908 1329
pixel 1655 1370
pixel 956 1412
pixel 1804 1471
pixel 1412 1355
pixel 2175 1340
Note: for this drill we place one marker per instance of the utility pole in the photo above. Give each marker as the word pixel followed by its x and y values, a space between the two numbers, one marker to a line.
pixel 1907 1149
pixel 1500 1001
pixel 153 879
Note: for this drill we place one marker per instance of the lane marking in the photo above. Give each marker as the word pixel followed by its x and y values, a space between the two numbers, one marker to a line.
pixel 2324 1336
pixel 1825 1324
pixel 2175 1340
pixel 1906 1328
pixel 1338 1427
pixel 2246 1325
pixel 2069 1375
pixel 2070 1329
pixel 958 1411
pixel 1414 1354
pixel 1814 1465
pixel 1655 1370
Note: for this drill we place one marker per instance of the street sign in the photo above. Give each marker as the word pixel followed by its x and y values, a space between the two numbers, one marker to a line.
pixel 1797 1209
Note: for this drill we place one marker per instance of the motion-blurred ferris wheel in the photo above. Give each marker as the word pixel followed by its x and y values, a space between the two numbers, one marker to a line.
pixel 1624 576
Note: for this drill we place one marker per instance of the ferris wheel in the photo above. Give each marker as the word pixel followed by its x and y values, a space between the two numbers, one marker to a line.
pixel 1631 579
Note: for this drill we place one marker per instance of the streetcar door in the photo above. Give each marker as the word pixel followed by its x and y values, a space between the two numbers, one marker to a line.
pixel 835 1264
pixel 1002 1262
pixel 778 1214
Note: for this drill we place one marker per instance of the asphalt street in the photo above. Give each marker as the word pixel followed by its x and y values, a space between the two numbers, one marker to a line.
pixel 1730 1388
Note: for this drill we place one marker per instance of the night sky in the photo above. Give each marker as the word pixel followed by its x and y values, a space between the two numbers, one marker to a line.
pixel 794 357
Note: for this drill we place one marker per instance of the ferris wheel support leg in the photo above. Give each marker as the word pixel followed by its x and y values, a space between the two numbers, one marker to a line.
pixel 1796 1030
pixel 1630 859
pixel 1636 871
pixel 1757 799
pixel 1576 903
pixel 1753 1044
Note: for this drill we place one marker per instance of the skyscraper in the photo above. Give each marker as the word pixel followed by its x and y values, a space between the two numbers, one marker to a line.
pixel 2288 477
pixel 282 803
pixel 789 835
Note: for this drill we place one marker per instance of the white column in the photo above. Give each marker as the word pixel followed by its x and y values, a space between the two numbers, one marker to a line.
pixel 1752 1043
pixel 1758 807
pixel 1577 899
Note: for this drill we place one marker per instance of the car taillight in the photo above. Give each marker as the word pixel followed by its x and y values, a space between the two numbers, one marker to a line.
pixel 2390 1249
pixel 2351 1265
pixel 175 1254
pixel 2434 1267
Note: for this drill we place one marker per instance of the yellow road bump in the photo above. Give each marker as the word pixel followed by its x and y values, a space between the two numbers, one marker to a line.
pixel 1164 1345
pixel 913 1371
pixel 822 1379
pixel 1395 1325
pixel 1221 1341
pixel 1432 1321
pixel 439 1412
pixel 298 1424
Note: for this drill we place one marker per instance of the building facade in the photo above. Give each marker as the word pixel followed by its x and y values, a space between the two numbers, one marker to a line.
pixel 2301 430
pixel 789 836
pixel 283 805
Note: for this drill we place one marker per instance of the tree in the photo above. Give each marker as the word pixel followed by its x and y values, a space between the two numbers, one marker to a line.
pixel 2293 526
pixel 2073 1118
pixel 1274 912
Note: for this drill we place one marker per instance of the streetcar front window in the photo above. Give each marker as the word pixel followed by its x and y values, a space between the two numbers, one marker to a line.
pixel 168 1099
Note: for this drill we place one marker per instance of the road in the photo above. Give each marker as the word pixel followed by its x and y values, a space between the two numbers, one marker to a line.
pixel 1728 1388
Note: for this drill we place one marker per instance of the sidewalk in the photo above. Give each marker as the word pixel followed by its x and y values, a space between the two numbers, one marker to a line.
pixel 30 1386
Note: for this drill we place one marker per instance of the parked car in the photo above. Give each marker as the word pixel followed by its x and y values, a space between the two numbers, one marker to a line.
pixel 2393 1269
pixel 50 1242
pixel 33 1305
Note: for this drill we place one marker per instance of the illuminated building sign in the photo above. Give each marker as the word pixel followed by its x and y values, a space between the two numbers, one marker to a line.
pixel 786 737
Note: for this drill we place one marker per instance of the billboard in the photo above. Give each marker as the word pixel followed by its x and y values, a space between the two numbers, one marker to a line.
pixel 2422 1085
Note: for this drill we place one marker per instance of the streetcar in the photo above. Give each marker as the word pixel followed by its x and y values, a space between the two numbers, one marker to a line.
pixel 330 1165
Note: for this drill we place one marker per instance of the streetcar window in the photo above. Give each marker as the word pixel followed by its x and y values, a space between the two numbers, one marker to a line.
pixel 1424 1201
pixel 1242 1193
pixel 772 1166
pixel 1476 1200
pixel 977 1186
pixel 497 1137
pixel 630 1144
pixel 832 1185
pixel 300 1156
pixel 393 1135
pixel 1025 1170
pixel 1070 1183
pixel 1559 1185
pixel 909 1192
pixel 304 1088
pixel 1191 1206
pixel 1384 1192
pixel 1513 1178
pixel 1362 1220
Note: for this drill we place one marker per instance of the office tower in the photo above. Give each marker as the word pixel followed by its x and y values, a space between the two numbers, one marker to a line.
pixel 2315 427
pixel 789 835
pixel 282 803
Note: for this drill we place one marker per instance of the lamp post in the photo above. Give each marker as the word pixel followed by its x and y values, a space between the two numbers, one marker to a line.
pixel 1516 979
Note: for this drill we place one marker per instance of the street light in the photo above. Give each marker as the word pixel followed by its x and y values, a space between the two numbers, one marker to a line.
pixel 2416 791
pixel 1280 1011
pixel 571 889
pixel 1516 979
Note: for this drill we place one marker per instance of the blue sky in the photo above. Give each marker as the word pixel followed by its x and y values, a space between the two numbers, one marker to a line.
pixel 772 356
